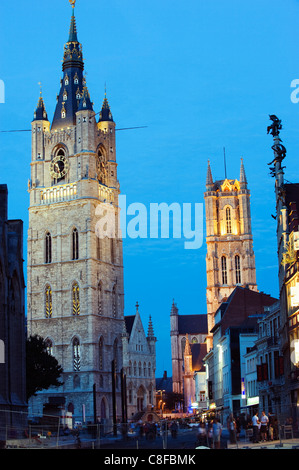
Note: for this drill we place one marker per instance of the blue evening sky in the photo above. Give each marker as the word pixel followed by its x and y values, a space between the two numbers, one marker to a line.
pixel 201 75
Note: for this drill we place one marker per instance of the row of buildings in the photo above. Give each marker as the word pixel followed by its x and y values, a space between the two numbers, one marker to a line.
pixel 240 353
pixel 251 339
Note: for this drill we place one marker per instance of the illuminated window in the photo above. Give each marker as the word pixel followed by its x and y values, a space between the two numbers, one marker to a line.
pixel 238 269
pixel 48 248
pixel 76 355
pixel 48 302
pixel 224 270
pixel 228 220
pixel 76 299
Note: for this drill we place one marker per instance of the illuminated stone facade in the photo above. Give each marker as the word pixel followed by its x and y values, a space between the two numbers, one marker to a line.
pixel 230 259
pixel 75 261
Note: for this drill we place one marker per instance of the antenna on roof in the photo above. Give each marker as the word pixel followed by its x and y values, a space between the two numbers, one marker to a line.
pixel 224 162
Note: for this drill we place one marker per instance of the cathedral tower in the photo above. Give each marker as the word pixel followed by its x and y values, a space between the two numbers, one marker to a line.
pixel 230 259
pixel 75 262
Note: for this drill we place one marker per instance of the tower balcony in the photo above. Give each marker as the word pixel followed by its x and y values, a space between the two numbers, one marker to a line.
pixel 65 192
pixel 69 192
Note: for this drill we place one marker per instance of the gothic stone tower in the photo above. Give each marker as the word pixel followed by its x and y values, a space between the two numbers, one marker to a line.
pixel 75 263
pixel 230 259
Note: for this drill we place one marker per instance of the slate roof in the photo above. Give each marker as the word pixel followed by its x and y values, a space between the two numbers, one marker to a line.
pixel 129 321
pixel 192 324
pixel 198 351
pixel 164 383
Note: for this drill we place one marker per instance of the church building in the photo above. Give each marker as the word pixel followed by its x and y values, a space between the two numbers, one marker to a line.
pixel 230 259
pixel 75 255
pixel 184 329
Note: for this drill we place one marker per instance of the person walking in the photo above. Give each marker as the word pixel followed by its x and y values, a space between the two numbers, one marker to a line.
pixel 217 430
pixel 255 427
pixel 264 426
pixel 231 426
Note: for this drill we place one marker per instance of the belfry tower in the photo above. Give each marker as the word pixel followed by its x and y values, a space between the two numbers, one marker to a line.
pixel 75 261
pixel 230 259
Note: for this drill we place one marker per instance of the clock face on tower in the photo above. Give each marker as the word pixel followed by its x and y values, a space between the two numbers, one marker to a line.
pixel 59 167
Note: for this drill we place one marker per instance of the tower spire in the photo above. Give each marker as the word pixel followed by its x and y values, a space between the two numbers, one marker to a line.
pixel 73 37
pixel 105 114
pixel 73 95
pixel 150 332
pixel 209 180
pixel 40 113
pixel 243 179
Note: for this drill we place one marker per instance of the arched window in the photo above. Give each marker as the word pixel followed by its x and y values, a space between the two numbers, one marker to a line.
pixel 49 346
pixel 100 299
pixel 238 269
pixel 60 152
pixel 76 299
pixel 76 354
pixel 48 302
pixel 101 354
pixel 75 244
pixel 228 220
pixel 48 248
pixel 224 270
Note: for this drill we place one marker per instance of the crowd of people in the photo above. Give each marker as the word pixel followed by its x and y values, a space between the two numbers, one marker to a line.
pixel 264 428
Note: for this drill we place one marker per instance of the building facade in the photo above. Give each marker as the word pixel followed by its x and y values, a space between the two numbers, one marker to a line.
pixel 194 377
pixel 139 360
pixel 234 334
pixel 230 259
pixel 193 327
pixel 13 401
pixel 75 260
pixel 269 361
pixel 287 231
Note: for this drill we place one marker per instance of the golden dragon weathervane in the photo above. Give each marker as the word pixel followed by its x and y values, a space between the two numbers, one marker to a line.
pixel 73 3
